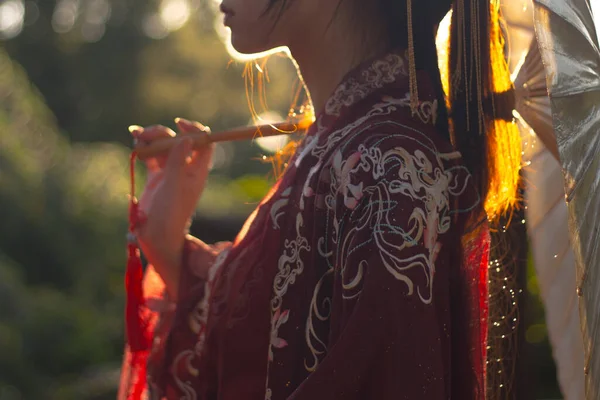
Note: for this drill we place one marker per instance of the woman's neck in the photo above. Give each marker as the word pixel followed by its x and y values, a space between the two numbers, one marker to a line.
pixel 331 49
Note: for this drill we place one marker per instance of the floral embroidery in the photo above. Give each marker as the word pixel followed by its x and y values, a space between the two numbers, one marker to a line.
pixel 352 193
pixel 279 318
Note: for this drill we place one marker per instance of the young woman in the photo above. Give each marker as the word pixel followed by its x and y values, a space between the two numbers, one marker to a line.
pixel 363 273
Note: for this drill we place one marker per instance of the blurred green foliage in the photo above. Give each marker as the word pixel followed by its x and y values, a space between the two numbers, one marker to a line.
pixel 60 247
pixel 73 76
pixel 64 179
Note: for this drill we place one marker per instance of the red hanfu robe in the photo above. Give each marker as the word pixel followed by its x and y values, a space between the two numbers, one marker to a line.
pixel 361 275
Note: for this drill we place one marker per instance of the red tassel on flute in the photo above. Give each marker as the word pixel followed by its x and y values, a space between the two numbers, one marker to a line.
pixel 138 335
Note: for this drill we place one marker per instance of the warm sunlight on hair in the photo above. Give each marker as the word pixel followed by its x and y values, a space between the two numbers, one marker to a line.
pixel 504 142
pixel 270 144
pixel 442 42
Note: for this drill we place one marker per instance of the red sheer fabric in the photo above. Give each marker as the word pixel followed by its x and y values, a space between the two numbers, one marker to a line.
pixel 360 276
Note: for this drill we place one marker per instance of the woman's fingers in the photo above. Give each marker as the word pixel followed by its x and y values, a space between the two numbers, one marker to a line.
pixel 153 184
pixel 182 156
pixel 186 126
pixel 178 157
pixel 200 158
pixel 150 133
pixel 135 131
pixel 145 136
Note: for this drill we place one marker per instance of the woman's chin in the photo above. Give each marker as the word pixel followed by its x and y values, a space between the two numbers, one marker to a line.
pixel 248 48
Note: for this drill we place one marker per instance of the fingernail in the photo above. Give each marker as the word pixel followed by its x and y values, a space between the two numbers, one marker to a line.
pixel 135 128
pixel 189 123
pixel 182 121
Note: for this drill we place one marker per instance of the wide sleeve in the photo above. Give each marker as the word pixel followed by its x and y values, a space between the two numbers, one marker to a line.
pixel 182 321
pixel 174 324
pixel 396 250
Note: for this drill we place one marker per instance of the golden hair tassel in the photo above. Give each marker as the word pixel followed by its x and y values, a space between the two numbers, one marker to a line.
pixel 412 66
pixel 504 138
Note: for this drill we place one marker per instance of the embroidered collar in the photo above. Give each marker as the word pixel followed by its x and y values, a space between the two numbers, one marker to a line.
pixel 365 79
pixel 387 71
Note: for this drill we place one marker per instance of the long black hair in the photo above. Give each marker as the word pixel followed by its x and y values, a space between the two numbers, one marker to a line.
pixel 477 119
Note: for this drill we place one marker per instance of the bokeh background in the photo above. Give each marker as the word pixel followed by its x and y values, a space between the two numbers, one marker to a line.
pixel 74 74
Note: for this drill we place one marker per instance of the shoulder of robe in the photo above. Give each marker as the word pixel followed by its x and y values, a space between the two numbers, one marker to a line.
pixel 396 151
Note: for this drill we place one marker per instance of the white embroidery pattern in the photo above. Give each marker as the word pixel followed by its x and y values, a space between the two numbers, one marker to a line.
pixel 316 345
pixel 427 111
pixel 355 127
pixel 318 147
pixel 278 205
pixel 290 265
pixel 381 73
pixel 401 177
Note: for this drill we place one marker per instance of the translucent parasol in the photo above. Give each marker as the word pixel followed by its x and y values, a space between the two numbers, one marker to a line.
pixel 546 211
pixel 569 46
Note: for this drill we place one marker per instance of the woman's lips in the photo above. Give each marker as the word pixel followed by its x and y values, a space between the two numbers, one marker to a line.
pixel 227 11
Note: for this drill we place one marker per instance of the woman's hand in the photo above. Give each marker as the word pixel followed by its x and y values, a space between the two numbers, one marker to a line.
pixel 175 183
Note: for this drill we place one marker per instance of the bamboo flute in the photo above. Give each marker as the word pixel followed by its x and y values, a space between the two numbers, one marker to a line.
pixel 200 139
